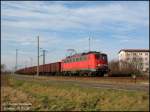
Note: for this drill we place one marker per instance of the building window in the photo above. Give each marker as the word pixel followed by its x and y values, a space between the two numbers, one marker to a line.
pixel 146 63
pixel 134 59
pixel 128 54
pixel 146 53
pixel 141 64
pixel 134 53
pixel 145 58
pixel 140 53
pixel 140 59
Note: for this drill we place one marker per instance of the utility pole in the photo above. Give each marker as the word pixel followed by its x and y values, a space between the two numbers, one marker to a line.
pixel 38 56
pixel 16 59
pixel 44 56
pixel 44 52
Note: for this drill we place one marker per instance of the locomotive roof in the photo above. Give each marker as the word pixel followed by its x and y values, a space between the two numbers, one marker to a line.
pixel 84 53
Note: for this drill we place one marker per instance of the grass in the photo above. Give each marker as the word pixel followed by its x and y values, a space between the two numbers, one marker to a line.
pixel 63 97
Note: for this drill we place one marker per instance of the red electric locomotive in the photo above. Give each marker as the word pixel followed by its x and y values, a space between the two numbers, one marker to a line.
pixel 91 63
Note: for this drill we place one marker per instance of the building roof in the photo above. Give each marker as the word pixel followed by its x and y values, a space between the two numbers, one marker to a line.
pixel 134 50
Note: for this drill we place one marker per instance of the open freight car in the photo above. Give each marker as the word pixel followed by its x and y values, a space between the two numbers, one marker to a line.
pixel 50 69
pixel 27 70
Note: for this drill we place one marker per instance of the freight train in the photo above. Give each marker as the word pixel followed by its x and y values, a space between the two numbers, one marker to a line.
pixel 83 64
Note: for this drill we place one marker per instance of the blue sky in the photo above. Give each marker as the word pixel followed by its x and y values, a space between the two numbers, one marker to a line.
pixel 62 25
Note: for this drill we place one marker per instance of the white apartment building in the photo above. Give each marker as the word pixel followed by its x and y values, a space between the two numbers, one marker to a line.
pixel 140 57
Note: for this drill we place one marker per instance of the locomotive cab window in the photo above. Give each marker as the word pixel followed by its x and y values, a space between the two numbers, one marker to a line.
pixel 101 56
pixel 98 56
pixel 104 57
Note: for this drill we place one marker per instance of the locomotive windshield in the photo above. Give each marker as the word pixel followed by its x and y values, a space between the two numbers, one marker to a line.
pixel 101 56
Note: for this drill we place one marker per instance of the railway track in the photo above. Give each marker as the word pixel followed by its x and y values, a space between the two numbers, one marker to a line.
pixel 50 80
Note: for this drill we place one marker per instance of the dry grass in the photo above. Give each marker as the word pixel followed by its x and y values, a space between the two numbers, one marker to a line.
pixel 63 97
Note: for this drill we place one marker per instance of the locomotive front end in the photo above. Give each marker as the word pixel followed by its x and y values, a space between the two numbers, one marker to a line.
pixel 101 63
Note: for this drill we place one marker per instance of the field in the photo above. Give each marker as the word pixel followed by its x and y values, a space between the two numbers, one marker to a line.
pixel 38 94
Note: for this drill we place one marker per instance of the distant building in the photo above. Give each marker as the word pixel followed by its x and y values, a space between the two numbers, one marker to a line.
pixel 139 57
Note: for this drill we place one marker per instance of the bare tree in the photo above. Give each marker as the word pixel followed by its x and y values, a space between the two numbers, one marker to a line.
pixel 122 68
pixel 2 67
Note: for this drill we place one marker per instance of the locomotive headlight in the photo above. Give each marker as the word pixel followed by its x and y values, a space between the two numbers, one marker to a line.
pixel 99 65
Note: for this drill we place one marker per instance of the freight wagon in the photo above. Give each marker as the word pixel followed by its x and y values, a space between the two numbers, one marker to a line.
pixel 27 70
pixel 50 69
